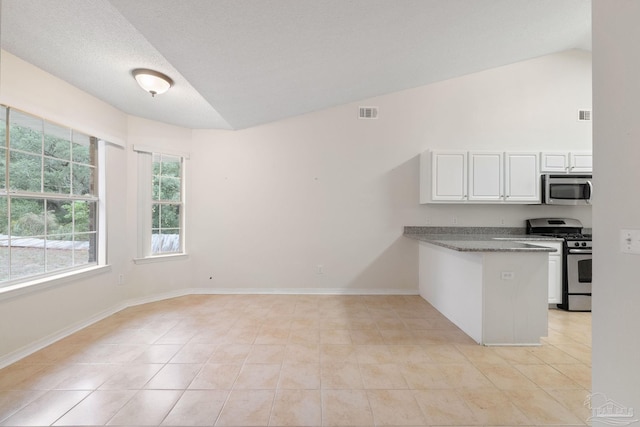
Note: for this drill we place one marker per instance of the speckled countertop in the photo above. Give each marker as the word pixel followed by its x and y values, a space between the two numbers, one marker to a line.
pixel 479 239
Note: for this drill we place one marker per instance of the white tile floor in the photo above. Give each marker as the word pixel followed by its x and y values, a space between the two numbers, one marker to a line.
pixel 239 360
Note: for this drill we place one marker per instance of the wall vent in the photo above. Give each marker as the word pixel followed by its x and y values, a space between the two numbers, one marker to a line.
pixel 368 113
pixel 584 115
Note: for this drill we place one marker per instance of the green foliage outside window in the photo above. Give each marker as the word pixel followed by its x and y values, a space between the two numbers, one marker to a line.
pixel 166 196
pixel 49 195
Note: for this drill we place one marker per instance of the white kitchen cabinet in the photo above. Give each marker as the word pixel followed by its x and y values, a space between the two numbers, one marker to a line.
pixel 566 162
pixel 479 177
pixel 555 279
pixel 443 176
pixel 580 162
pixel 486 176
pixel 521 178
pixel 554 162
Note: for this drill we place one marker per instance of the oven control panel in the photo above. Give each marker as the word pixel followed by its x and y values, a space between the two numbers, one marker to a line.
pixel 579 244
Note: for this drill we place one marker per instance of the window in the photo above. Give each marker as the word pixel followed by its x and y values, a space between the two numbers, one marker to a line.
pixel 161 203
pixel 48 198
pixel 166 204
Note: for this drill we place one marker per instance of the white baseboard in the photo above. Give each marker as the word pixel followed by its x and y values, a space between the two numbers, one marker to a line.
pixel 35 346
pixel 299 291
pixel 158 297
pixel 27 350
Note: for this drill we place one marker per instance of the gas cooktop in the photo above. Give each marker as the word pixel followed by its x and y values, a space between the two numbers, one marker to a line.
pixel 566 228
pixel 567 236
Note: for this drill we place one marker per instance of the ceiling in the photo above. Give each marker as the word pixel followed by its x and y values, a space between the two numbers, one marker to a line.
pixel 242 63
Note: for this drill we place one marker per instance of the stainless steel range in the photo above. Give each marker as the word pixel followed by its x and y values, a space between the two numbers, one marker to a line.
pixel 576 259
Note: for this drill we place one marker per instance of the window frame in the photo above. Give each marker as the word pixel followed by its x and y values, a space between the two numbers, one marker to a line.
pixel 145 157
pixel 95 198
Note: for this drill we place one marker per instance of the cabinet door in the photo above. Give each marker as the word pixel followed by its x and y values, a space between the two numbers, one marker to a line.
pixel 485 176
pixel 522 178
pixel 555 279
pixel 580 162
pixel 554 162
pixel 449 175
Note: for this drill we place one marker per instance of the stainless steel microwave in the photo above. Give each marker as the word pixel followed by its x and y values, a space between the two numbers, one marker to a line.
pixel 567 189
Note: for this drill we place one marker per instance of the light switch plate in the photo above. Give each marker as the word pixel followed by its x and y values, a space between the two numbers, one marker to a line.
pixel 630 241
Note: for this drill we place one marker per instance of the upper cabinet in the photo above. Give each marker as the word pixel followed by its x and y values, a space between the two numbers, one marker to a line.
pixel 443 176
pixel 566 162
pixel 580 162
pixel 522 178
pixel 479 177
pixel 486 176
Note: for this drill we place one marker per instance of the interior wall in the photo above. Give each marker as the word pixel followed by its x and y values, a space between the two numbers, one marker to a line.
pixel 527 106
pixel 318 202
pixel 30 317
pixel 45 313
pixel 313 203
pixel 307 204
pixel 145 280
pixel 616 66
pixel 35 91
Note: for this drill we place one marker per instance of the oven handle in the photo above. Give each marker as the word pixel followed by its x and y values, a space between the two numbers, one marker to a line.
pixel 581 251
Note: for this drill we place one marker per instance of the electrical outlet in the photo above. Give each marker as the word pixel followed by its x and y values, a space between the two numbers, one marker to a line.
pixel 120 279
pixel 427 221
pixel 320 269
pixel 454 220
pixel 501 221
pixel 507 275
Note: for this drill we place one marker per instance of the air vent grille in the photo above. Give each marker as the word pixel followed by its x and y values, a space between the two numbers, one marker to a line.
pixel 584 115
pixel 368 113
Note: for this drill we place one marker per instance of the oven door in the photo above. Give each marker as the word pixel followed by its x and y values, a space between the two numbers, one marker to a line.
pixel 579 271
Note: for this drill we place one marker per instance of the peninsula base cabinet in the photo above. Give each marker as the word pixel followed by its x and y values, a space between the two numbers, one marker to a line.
pixel 555 269
pixel 496 298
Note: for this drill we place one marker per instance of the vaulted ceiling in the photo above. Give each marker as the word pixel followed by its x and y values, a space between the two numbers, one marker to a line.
pixel 241 63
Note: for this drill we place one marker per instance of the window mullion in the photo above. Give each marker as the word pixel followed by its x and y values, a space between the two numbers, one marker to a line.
pixel 27 194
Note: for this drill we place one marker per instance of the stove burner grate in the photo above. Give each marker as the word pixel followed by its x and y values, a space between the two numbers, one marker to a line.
pixel 568 236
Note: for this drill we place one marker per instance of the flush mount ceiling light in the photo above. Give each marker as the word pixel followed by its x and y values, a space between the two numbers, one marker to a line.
pixel 152 81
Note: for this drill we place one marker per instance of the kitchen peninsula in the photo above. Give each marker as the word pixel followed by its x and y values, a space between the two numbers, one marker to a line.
pixel 485 281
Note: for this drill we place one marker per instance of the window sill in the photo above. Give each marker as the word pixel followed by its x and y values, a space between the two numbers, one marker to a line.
pixel 23 288
pixel 160 258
